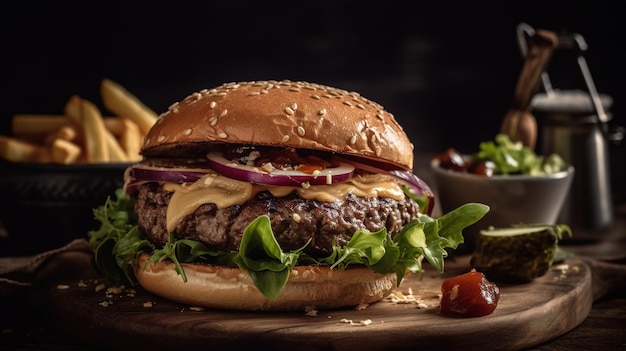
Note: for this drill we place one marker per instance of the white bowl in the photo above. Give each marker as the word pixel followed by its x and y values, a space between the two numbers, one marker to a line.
pixel 513 199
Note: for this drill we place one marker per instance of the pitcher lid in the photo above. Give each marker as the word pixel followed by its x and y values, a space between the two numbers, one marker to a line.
pixel 568 101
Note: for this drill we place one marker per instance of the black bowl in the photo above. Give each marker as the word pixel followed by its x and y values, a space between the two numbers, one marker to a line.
pixel 45 206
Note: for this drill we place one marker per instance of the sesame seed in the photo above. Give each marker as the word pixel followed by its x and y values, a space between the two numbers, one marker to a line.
pixel 285 138
pixel 160 138
pixel 289 111
pixel 296 218
pixel 316 97
pixel 264 91
pixel 322 112
pixel 254 93
pixel 360 106
pixel 378 151
pixel 187 131
pixel 222 135
pixel 213 121
pixel 294 106
pixel 347 103
pixel 212 104
pixel 223 113
pixel 294 89
pixel 353 139
pixel 173 106
pixel 197 96
pixel 221 94
pixel 301 131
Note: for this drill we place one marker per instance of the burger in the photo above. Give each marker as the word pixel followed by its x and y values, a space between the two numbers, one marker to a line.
pixel 274 196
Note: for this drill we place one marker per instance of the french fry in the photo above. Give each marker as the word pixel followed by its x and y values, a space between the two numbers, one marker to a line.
pixel 66 132
pixel 131 139
pixel 82 134
pixel 114 125
pixel 27 126
pixel 116 153
pixel 122 103
pixel 15 150
pixel 86 114
pixel 64 152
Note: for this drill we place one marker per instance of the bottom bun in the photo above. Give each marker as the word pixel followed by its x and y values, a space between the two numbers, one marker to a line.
pixel 308 287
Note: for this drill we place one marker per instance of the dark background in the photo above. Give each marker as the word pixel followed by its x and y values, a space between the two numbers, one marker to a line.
pixel 446 69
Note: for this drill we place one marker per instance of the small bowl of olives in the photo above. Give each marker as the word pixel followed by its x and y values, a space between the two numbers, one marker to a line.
pixel 519 186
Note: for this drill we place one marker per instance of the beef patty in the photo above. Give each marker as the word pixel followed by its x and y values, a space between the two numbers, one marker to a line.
pixel 294 220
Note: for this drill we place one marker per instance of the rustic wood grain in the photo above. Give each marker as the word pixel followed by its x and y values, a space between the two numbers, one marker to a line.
pixel 527 315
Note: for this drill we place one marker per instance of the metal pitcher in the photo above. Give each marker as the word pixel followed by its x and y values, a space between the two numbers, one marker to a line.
pixel 575 125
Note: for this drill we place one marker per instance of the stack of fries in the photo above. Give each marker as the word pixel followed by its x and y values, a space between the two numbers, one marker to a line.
pixel 82 134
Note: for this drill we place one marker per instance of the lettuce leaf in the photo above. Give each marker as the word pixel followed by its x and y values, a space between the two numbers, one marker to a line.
pixel 118 242
pixel 514 158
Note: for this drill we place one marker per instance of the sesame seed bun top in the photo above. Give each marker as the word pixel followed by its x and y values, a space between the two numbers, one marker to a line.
pixel 282 113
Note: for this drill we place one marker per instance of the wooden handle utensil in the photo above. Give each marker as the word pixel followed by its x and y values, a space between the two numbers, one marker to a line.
pixel 519 124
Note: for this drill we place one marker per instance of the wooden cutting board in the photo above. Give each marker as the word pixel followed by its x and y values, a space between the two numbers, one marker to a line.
pixel 528 314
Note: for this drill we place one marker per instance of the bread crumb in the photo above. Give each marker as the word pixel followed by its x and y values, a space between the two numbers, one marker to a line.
pixel 115 289
pixel 361 323
pixel 100 287
pixel 82 284
pixel 565 270
pixel 147 304
pixel 361 307
pixel 63 287
pixel 310 311
pixel 398 297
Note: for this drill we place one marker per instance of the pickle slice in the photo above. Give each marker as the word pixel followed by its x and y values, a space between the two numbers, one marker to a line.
pixel 516 254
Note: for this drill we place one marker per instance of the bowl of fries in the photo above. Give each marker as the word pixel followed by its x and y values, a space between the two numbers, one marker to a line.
pixel 55 169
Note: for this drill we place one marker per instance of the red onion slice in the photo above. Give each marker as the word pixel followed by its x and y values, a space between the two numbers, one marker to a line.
pixel 417 184
pixel 279 177
pixel 419 187
pixel 165 174
pixel 140 174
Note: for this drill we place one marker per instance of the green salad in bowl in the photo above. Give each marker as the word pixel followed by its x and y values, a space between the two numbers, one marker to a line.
pixel 520 186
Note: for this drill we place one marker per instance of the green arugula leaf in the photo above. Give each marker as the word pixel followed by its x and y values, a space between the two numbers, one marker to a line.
pixel 422 200
pixel 363 248
pixel 261 255
pixel 118 242
pixel 446 231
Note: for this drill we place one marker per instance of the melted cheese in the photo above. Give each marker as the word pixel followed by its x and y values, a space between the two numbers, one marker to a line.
pixel 225 192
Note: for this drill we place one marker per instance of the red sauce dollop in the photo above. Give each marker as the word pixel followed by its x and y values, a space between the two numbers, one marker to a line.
pixel 469 295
